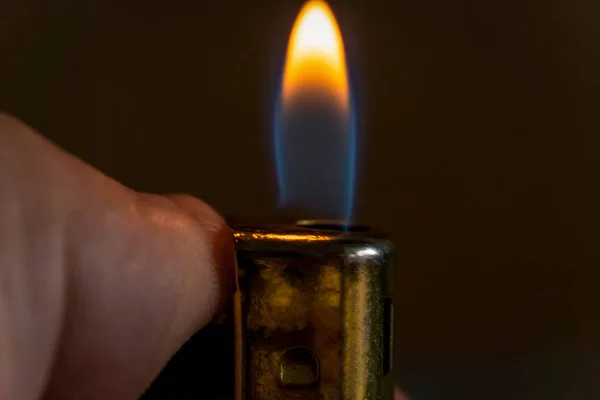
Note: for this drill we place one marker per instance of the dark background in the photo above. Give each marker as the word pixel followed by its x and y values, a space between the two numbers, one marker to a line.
pixel 479 140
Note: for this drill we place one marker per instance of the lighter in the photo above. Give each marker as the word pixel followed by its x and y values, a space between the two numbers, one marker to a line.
pixel 314 313
pixel 311 319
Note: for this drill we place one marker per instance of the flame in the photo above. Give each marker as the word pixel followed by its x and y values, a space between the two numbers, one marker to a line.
pixel 314 125
pixel 315 61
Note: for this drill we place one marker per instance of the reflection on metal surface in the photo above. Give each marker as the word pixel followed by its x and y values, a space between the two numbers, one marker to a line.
pixel 279 237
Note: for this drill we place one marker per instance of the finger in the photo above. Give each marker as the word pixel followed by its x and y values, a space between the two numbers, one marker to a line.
pixel 142 273
pixel 223 244
pixel 144 285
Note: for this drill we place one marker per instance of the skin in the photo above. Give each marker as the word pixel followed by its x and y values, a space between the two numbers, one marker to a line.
pixel 99 285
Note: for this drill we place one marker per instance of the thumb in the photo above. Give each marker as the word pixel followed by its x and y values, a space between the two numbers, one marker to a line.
pixel 103 284
pixel 143 283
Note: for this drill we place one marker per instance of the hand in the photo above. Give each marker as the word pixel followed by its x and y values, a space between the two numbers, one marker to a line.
pixel 99 285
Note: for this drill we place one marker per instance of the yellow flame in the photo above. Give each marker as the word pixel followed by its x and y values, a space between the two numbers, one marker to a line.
pixel 315 60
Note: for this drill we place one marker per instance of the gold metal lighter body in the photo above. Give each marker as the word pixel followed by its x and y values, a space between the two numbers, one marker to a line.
pixel 313 313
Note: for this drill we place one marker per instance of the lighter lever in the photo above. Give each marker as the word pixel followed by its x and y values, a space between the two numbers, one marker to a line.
pixel 311 319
